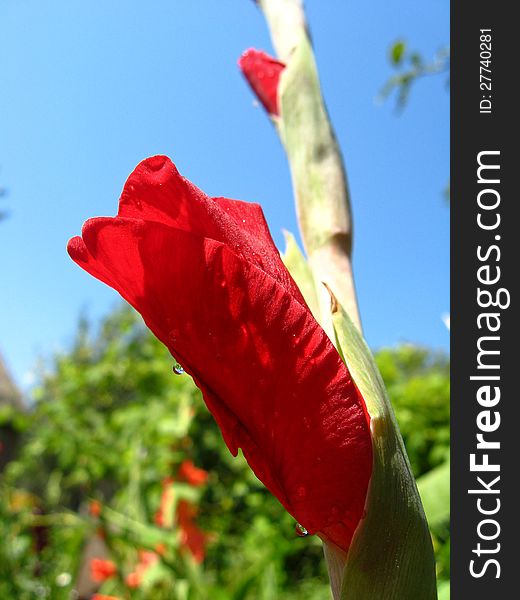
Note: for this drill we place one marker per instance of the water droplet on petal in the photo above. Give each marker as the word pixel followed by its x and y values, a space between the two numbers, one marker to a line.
pixel 300 530
pixel 177 369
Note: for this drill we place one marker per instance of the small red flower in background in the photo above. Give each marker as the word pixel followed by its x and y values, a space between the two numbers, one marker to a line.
pixel 94 508
pixel 102 569
pixel 263 75
pixel 146 560
pixel 191 474
pixel 160 548
pixel 104 597
pixel 209 282
pixel 183 513
pixel 192 538
pixel 133 580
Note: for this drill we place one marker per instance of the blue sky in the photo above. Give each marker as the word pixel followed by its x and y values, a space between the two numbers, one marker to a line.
pixel 91 88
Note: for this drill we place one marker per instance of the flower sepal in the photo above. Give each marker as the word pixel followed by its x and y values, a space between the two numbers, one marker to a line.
pixel 391 554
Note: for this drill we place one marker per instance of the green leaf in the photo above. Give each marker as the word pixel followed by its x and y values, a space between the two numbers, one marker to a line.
pixel 434 488
pixel 397 52
pixel 391 554
pixel 444 590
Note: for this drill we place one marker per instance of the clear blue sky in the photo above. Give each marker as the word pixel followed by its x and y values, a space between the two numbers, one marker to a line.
pixel 91 88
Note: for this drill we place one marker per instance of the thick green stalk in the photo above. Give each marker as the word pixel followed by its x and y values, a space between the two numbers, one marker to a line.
pixel 317 171
pixel 286 20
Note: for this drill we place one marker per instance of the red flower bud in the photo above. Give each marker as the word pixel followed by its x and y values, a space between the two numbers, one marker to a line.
pixel 263 74
pixel 209 282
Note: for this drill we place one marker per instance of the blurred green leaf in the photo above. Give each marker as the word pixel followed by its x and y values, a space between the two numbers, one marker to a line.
pixel 444 590
pixel 397 52
pixel 434 488
pixel 410 67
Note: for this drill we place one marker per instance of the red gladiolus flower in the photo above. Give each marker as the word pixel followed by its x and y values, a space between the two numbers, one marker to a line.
pixel 209 282
pixel 102 569
pixel 191 474
pixel 263 74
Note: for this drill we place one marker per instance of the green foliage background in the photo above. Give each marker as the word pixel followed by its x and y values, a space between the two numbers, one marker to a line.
pixel 110 421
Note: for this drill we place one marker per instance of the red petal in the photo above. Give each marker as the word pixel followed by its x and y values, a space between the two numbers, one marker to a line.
pixel 156 191
pixel 269 374
pixel 263 74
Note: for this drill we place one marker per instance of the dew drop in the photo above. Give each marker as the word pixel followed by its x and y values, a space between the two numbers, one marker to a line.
pixel 300 530
pixel 177 369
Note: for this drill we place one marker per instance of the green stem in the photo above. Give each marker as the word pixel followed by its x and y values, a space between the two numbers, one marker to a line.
pixel 316 164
